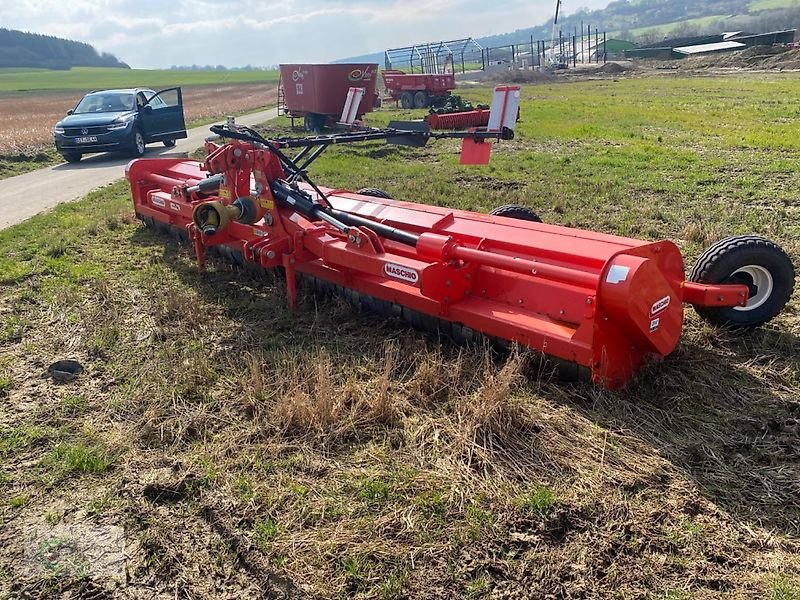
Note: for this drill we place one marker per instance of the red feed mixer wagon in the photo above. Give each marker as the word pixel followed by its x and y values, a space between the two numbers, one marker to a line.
pixel 418 90
pixel 317 93
pixel 601 303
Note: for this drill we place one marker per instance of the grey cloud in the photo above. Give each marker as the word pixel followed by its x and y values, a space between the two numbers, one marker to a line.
pixel 153 33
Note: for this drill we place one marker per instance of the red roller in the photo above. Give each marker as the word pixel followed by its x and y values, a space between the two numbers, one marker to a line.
pixel 459 120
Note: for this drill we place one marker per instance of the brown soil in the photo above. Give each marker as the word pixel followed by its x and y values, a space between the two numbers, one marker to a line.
pixel 757 57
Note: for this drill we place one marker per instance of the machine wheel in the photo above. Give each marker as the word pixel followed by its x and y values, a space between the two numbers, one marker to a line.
pixel 169 143
pixel 375 193
pixel 516 211
pixel 72 157
pixel 312 122
pixel 421 100
pixel 138 146
pixel 755 262
pixel 407 100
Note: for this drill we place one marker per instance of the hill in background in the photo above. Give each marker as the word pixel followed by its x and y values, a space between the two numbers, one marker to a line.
pixel 32 50
pixel 634 18
pixel 643 20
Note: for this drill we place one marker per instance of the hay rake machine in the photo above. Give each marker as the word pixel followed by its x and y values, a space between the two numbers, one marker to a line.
pixel 602 304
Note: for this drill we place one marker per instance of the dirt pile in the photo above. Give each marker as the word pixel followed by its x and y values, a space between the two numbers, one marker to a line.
pixel 757 57
pixel 614 68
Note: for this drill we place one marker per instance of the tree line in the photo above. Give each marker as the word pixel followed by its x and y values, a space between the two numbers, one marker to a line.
pixel 32 50
pixel 221 68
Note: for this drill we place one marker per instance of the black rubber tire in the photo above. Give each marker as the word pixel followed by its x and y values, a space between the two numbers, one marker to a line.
pixel 137 148
pixel 72 157
pixel 421 100
pixel 314 123
pixel 516 211
pixel 169 143
pixel 374 192
pixel 721 261
pixel 407 100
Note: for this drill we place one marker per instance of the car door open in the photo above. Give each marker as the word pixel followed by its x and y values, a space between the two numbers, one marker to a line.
pixel 162 116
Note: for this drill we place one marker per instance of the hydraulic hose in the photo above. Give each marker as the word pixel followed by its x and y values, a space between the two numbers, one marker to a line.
pixel 339 219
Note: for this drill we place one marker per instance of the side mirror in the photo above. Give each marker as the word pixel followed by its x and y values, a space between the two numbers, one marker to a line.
pixel 147 109
pixel 70 111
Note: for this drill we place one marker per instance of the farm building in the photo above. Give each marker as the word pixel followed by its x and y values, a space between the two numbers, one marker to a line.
pixel 708 48
pixel 677 48
pixel 612 47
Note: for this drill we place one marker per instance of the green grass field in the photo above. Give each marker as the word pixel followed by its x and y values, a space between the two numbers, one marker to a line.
pixel 757 5
pixel 247 451
pixel 87 78
pixel 667 28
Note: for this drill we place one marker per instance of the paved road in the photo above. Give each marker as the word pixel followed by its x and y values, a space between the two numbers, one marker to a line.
pixel 26 195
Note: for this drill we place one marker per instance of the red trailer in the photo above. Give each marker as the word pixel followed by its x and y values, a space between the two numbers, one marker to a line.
pixel 317 93
pixel 418 90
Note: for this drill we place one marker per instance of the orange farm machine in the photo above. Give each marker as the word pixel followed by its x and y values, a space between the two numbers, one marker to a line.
pixel 600 304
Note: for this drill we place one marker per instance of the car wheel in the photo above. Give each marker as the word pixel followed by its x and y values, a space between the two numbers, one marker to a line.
pixel 138 144
pixel 169 143
pixel 72 157
pixel 407 100
pixel 421 100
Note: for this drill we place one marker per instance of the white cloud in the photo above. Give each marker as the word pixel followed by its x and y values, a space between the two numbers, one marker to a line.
pixel 154 33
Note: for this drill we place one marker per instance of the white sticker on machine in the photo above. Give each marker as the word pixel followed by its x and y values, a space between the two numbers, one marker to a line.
pixel 401 272
pixel 654 325
pixel 617 274
pixel 660 306
pixel 158 201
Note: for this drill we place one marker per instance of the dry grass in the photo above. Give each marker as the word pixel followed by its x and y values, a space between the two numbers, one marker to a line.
pixel 324 455
pixel 26 120
pixel 249 452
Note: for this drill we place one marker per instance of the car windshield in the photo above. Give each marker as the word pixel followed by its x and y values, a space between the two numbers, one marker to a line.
pixel 104 102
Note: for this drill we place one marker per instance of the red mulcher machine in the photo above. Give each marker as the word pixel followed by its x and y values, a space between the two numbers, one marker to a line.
pixel 604 303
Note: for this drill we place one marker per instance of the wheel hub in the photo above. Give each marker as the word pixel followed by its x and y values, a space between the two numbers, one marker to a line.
pixel 760 282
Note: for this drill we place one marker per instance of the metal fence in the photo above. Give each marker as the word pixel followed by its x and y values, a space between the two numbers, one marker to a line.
pixel 568 49
pixel 586 46
pixel 435 57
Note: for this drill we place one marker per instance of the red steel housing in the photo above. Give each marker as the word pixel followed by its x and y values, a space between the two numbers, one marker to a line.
pixel 604 302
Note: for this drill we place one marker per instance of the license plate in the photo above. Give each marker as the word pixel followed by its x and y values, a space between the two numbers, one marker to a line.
pixel 86 140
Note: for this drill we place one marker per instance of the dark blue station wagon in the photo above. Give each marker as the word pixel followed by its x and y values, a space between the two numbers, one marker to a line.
pixel 120 121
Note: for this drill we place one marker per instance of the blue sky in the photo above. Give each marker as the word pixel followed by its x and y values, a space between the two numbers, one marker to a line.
pixel 157 33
